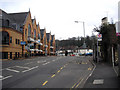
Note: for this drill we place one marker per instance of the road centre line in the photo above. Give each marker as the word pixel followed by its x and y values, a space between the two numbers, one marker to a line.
pixel 30 69
pixel 53 76
pixel 58 71
pixel 12 70
pixel 6 77
pixel 45 83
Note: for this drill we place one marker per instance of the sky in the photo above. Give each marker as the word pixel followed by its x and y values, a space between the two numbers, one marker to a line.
pixel 58 16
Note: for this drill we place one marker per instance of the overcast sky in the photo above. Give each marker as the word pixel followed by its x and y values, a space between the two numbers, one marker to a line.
pixel 58 16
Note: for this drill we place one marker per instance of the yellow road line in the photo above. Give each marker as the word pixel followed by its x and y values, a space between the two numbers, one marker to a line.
pixel 44 83
pixel 58 71
pixel 79 83
pixel 76 83
pixel 89 69
pixel 73 85
pixel 52 75
pixel 61 68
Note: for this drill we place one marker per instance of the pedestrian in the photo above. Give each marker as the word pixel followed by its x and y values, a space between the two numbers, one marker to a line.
pixel 66 53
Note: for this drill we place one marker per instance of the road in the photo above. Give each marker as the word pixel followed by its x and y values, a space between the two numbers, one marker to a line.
pixel 46 72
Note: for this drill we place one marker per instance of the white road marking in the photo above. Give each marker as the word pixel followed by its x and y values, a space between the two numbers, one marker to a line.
pixel 12 70
pixel 22 67
pixel 1 76
pixel 53 60
pixel 6 77
pixel 30 69
pixel 98 81
pixel 28 63
pixel 45 63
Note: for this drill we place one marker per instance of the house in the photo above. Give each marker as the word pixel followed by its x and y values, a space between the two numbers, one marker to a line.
pixel 12 32
pixel 43 41
pixel 48 42
pixel 52 45
pixel 39 40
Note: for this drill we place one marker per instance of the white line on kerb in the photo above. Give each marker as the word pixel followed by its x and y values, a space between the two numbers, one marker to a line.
pixel 30 69
pixel 6 77
pixel 12 70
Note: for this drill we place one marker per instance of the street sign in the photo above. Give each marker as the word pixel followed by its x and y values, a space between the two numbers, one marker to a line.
pixel 22 42
pixel 99 37
pixel 118 28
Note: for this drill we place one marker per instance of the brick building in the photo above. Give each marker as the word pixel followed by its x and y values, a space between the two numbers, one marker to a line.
pixel 52 45
pixel 21 36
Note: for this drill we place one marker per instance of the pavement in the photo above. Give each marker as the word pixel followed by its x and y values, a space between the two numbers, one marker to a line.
pixel 103 76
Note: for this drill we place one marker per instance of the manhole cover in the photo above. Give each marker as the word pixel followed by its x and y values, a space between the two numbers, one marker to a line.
pixel 98 81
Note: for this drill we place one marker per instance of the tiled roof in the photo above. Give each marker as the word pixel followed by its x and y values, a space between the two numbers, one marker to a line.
pixel 15 20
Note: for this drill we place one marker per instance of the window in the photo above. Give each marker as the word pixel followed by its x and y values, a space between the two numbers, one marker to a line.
pixel 39 47
pixel 15 54
pixel 18 54
pixel 10 39
pixel 34 45
pixel 10 55
pixel 16 41
pixel 34 34
pixel 29 30
pixel 4 55
pixel 38 35
pixel 5 38
pixel 7 23
pixel 25 32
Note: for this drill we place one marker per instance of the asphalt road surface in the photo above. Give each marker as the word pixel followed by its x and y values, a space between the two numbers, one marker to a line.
pixel 46 72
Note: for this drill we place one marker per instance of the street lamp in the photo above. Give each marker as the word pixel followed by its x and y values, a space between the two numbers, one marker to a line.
pixel 84 44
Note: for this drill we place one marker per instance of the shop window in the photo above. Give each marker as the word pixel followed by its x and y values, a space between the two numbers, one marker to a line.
pixel 10 55
pixel 4 55
pixel 15 54
pixel 16 41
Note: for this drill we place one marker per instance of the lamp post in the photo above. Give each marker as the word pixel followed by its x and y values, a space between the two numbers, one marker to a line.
pixel 84 44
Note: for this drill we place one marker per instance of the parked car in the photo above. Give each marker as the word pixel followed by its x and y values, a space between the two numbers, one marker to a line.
pixel 88 54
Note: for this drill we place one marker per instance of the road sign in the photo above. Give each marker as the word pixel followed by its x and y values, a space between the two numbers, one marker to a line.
pixel 22 42
pixel 118 28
